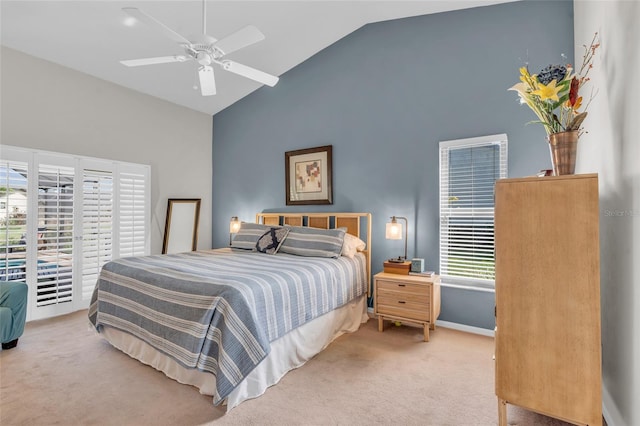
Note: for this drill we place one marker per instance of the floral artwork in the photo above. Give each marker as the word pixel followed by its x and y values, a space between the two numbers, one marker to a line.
pixel 554 94
pixel 308 176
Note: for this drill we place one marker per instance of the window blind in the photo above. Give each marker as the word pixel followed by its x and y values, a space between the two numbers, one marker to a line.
pixel 468 171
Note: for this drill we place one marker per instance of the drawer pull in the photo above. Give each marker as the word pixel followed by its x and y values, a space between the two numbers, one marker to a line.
pixel 402 285
pixel 401 301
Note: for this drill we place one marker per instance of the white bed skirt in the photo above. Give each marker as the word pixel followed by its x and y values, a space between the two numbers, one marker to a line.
pixel 288 352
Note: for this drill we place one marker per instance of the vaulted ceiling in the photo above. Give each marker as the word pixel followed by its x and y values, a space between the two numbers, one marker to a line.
pixel 92 36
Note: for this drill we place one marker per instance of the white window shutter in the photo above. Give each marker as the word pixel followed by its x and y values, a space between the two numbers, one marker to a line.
pixel 97 226
pixel 55 235
pixel 133 213
pixel 76 213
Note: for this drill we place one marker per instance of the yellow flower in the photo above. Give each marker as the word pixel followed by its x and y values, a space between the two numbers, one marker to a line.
pixel 549 91
pixel 526 78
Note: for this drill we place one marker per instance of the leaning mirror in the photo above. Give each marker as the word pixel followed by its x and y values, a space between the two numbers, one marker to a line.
pixel 181 227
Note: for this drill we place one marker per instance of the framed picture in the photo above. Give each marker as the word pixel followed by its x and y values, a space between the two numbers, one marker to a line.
pixel 308 176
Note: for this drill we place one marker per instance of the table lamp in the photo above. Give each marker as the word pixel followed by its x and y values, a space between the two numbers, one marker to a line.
pixel 234 227
pixel 394 232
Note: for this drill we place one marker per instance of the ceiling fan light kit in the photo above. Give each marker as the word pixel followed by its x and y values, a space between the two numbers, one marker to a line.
pixel 207 80
pixel 205 51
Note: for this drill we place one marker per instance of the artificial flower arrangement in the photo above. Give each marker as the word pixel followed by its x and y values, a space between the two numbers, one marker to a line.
pixel 553 93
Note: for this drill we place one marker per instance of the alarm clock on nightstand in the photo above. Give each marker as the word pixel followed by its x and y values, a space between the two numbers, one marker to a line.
pixel 417 265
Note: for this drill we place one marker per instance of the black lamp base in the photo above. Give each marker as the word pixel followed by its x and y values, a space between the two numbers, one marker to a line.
pixel 396 260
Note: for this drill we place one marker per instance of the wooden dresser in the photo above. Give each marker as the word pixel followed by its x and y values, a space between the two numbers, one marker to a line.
pixel 548 353
pixel 411 298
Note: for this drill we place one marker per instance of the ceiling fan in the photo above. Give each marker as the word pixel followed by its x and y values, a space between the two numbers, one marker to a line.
pixel 205 50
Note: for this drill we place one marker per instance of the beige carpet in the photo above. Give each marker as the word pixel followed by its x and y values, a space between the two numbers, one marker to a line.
pixel 62 373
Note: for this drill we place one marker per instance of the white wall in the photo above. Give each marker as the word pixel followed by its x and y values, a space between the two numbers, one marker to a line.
pixel 50 107
pixel 611 148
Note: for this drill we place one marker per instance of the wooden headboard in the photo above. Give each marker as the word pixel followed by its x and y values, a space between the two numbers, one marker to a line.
pixel 358 224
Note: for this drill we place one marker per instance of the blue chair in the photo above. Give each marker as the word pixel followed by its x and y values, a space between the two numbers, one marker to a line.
pixel 13 312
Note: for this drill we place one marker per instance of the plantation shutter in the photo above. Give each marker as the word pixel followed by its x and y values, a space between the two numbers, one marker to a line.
pixel 13 220
pixel 133 213
pixel 97 226
pixel 61 222
pixel 55 235
pixel 468 171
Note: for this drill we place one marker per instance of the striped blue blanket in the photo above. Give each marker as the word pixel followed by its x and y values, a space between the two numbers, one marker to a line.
pixel 218 310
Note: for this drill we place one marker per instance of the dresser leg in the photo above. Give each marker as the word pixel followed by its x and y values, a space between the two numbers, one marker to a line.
pixel 380 324
pixel 502 412
pixel 426 332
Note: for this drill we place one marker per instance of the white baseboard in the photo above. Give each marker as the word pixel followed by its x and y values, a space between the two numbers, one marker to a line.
pixel 455 326
pixel 466 328
pixel 610 410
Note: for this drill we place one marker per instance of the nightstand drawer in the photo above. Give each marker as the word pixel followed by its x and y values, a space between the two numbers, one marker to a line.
pixel 407 310
pixel 393 298
pixel 402 287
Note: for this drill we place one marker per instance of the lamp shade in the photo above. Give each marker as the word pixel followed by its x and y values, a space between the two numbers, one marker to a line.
pixel 234 225
pixel 394 230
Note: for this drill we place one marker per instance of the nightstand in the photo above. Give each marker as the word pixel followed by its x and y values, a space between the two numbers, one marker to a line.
pixel 409 298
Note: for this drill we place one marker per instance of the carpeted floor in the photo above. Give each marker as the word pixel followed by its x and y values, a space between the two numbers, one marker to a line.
pixel 63 373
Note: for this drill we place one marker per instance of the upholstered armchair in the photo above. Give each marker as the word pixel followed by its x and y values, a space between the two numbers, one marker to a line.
pixel 13 312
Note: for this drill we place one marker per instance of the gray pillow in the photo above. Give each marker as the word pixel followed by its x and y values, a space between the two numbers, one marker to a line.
pixel 249 234
pixel 313 242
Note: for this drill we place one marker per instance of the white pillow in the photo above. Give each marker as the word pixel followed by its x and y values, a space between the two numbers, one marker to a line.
pixel 352 245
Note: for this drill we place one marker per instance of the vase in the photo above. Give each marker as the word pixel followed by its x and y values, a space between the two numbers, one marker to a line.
pixel 563 147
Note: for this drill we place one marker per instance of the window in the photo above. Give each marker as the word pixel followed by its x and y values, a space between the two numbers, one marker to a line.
pixel 63 218
pixel 13 220
pixel 468 171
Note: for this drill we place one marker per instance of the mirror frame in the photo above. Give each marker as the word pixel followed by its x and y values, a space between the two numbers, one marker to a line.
pixel 193 226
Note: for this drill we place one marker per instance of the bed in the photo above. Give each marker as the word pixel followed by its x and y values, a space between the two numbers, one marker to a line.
pixel 234 321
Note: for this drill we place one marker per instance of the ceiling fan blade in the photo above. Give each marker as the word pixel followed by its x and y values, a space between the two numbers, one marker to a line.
pixel 207 80
pixel 252 73
pixel 153 61
pixel 153 22
pixel 241 38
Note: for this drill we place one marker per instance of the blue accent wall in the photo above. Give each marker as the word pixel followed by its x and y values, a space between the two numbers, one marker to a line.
pixel 384 96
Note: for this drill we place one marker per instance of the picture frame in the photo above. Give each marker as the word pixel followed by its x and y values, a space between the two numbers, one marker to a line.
pixel 308 176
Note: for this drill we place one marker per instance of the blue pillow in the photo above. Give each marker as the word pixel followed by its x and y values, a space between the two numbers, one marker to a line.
pixel 248 235
pixel 313 242
pixel 270 242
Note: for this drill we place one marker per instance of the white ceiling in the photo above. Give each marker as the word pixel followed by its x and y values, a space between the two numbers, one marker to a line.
pixel 90 36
